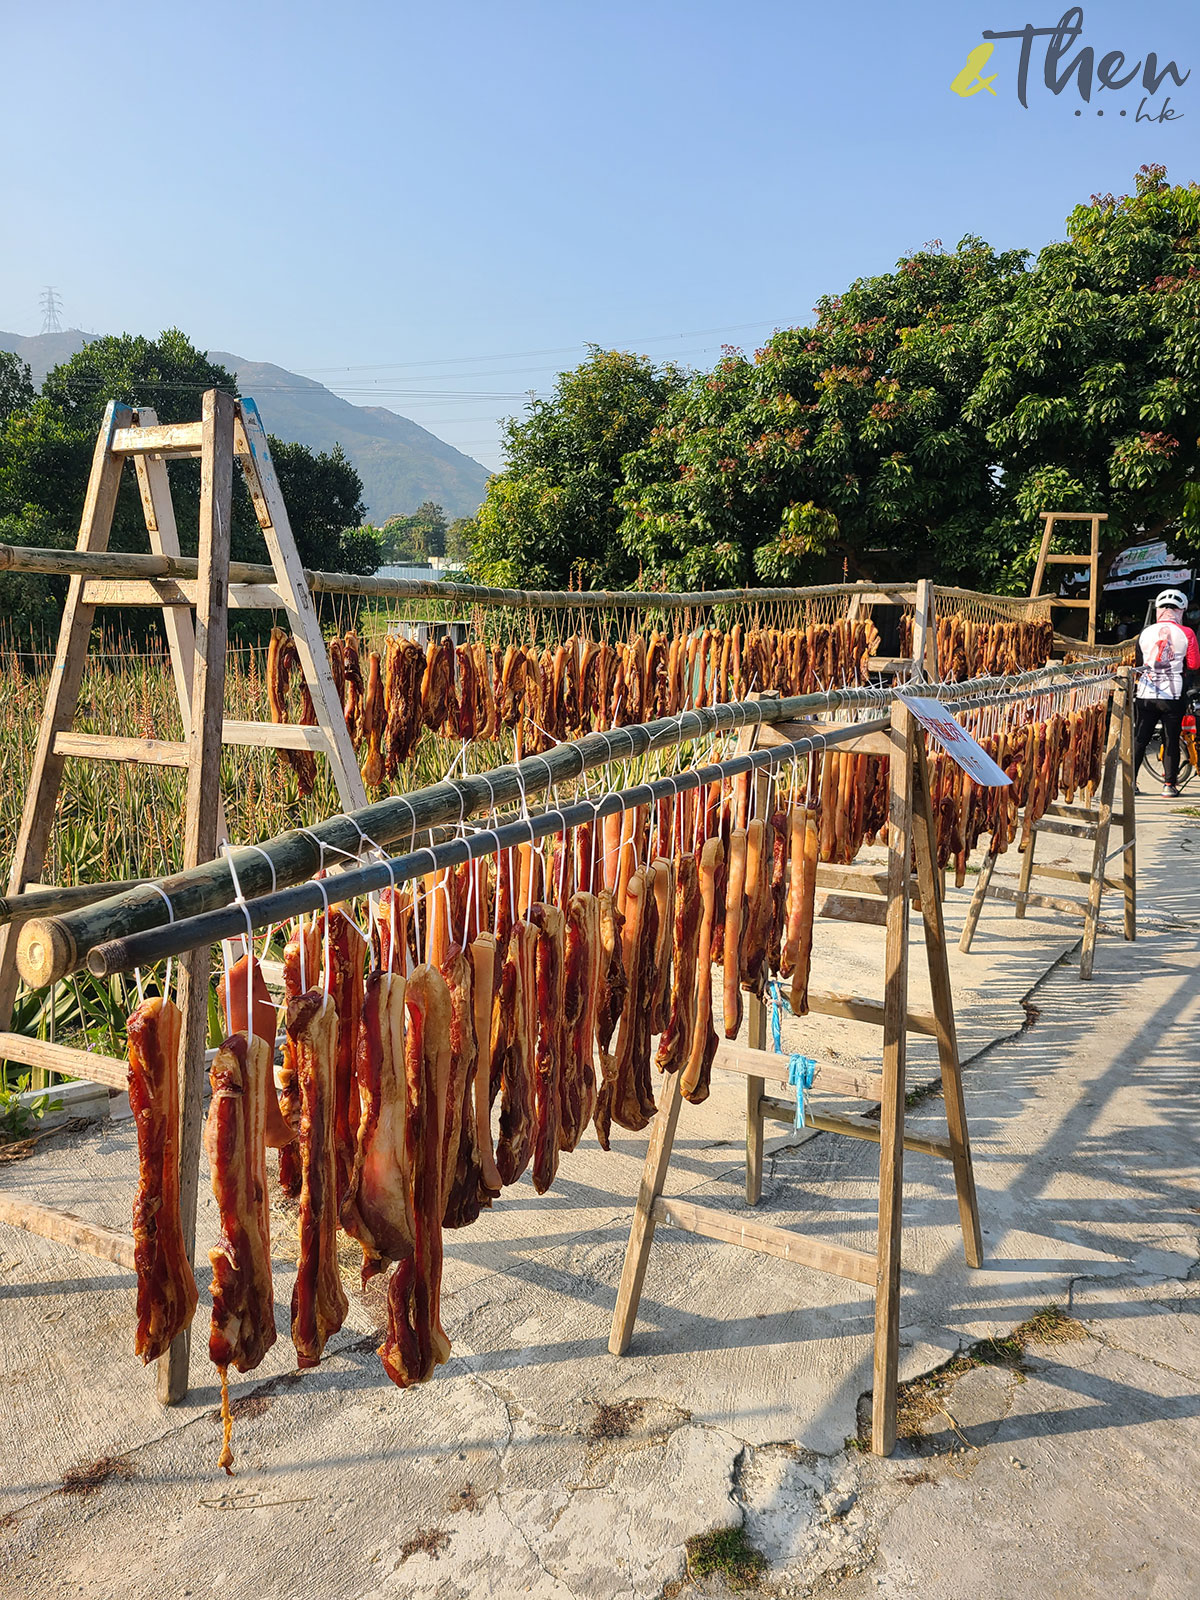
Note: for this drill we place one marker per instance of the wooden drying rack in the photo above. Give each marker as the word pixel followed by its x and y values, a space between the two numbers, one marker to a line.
pixel 912 835
pixel 1081 822
pixel 229 431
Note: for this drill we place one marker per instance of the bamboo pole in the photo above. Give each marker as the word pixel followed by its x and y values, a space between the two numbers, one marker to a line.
pixel 61 563
pixel 50 947
pixel 156 944
pixel 43 901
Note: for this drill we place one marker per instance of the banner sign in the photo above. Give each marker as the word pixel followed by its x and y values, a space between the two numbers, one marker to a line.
pixel 956 742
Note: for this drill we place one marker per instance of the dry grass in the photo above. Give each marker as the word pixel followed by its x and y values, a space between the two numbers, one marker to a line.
pixel 93 1475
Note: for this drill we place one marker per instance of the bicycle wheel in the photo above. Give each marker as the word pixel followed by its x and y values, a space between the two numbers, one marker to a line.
pixel 1152 762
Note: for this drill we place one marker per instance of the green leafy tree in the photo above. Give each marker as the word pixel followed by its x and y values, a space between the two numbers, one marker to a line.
pixel 458 540
pixel 16 386
pixel 323 496
pixel 1090 394
pixel 839 444
pixel 550 518
pixel 417 537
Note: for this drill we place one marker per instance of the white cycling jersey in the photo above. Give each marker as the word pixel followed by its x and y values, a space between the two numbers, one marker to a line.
pixel 1164 649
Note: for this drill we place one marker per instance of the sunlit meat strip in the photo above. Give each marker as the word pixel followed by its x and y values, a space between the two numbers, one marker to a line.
pixel 734 912
pixel 581 996
pixel 234 1008
pixel 345 951
pixel 703 1042
pixel 416 1343
pixel 166 1286
pixel 758 905
pixel 461 1169
pixel 377 1210
pixel 514 1038
pixel 676 1040
pixel 483 964
pixel 611 1003
pixel 550 925
pixel 243 1299
pixel 802 909
pixel 657 1006
pixel 627 1080
pixel 319 1303
pixel 372 722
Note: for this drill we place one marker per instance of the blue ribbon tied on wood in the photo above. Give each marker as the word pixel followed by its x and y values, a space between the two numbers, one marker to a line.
pixel 801 1069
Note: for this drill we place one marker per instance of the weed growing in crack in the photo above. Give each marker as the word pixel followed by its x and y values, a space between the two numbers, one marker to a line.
pixel 726 1551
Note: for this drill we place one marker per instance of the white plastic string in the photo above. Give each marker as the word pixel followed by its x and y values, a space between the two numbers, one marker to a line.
pixel 166 989
pixel 240 899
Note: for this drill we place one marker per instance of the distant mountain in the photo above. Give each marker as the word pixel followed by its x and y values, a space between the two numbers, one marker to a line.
pixel 401 464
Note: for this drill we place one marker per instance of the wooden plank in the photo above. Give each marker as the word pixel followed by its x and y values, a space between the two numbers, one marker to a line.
pixel 925 633
pixel 1047 902
pixel 1066 561
pixel 1073 516
pixel 841 1260
pixel 1076 813
pixel 853 908
pixel 158 438
pixel 1069 830
pixel 756 1029
pixel 201 819
pixel 109 747
pixel 175 593
pixel 937 955
pixel 1070 875
pixel 259 471
pixel 766 1066
pixel 64 1227
pixel 858 880
pixel 47 1057
pixel 856 1127
pixel 1108 784
pixel 641 1232
pixel 1075 605
pixel 1040 570
pixel 45 775
pixel 977 899
pixel 891 1134
pixel 275 736
pixel 859 1009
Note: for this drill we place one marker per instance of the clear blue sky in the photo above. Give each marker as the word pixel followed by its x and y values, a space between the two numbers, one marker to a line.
pixel 435 207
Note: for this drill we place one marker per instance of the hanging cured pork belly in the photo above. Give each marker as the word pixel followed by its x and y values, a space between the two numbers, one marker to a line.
pixel 514 1045
pixel 234 1008
pixel 702 1049
pixel 166 1287
pixel 243 1314
pixel 676 1040
pixel 463 1194
pixel 549 1006
pixel 319 1302
pixel 415 1342
pixel 377 1210
pixel 344 952
pixel 301 958
pixel 581 996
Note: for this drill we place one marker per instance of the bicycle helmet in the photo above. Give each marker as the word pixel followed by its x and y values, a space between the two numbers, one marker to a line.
pixel 1174 599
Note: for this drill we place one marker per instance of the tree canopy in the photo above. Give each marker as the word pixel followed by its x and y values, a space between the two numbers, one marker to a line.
pixel 918 425
pixel 47 441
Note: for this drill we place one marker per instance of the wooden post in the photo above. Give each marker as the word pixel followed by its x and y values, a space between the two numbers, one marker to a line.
pixel 1026 874
pixel 925 840
pixel 925 632
pixel 977 900
pixel 45 776
pixel 1094 585
pixel 200 828
pixel 1108 784
pixel 1128 810
pixel 891 1132
pixel 756 1020
pixel 641 1234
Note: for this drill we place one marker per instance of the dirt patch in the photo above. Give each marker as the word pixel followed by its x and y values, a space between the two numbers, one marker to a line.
pixel 91 1476
pixel 16 1149
pixel 260 1398
pixel 465 1500
pixel 616 1419
pixel 427 1542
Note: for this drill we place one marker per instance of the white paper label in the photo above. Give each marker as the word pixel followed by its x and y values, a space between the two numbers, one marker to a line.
pixel 957 742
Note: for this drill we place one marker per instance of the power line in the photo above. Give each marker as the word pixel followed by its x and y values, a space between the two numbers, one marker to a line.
pixel 51 306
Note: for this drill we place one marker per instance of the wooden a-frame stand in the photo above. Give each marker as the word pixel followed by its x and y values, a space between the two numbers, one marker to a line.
pixel 1091 561
pixel 1081 822
pixel 911 834
pixel 229 431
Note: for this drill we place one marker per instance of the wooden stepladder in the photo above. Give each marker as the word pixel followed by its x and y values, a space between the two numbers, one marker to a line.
pixel 911 834
pixel 229 431
pixel 1081 822
pixel 1091 561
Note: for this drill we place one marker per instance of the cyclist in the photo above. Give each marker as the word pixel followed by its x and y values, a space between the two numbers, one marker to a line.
pixel 1166 650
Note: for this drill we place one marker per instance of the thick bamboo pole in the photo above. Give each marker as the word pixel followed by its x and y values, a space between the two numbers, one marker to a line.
pixel 50 947
pixel 155 944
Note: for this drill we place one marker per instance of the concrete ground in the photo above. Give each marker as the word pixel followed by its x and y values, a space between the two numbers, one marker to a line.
pixel 1057 1463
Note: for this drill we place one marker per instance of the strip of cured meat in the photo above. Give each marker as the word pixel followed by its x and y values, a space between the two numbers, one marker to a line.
pixel 627 1078
pixel 759 905
pixel 377 1210
pixel 243 1298
pixel 463 1191
pixel 166 1285
pixel 549 978
pixel 734 906
pixel 438 707
pixel 234 1008
pixel 675 1043
pixel 483 967
pixel 657 1001
pixel 416 1343
pixel 514 1039
pixel 345 951
pixel 697 1070
pixel 802 911
pixel 581 995
pixel 372 723
pixel 319 1302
